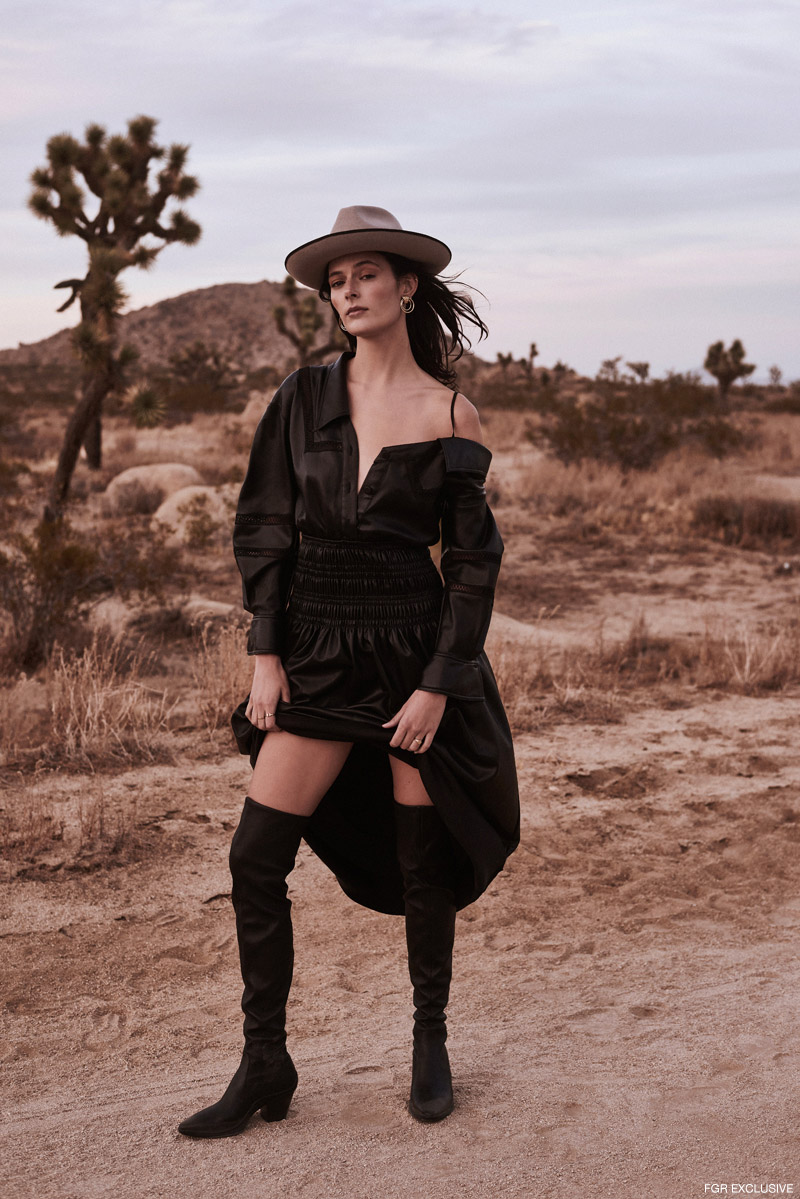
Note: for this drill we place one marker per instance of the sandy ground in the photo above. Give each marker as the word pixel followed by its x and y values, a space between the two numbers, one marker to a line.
pixel 624 1008
pixel 624 1013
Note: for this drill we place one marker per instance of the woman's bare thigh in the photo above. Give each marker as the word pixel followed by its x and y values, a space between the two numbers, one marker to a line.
pixel 408 786
pixel 293 773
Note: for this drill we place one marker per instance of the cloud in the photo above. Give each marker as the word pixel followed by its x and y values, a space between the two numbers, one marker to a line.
pixel 561 141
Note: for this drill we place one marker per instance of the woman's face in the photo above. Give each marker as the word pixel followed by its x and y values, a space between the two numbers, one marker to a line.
pixel 365 293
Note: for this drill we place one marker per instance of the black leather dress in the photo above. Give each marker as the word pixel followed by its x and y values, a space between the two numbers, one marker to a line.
pixel 341 584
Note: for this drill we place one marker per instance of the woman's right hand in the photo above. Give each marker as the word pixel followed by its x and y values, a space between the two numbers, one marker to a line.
pixel 270 683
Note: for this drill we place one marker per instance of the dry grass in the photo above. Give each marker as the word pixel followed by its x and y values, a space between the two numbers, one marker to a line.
pixel 541 684
pixel 222 673
pixel 624 502
pixel 751 521
pixel 213 443
pixel 687 496
pixel 503 429
pixel 81 834
pixel 101 710
pixel 544 684
pixel 28 827
pixel 777 448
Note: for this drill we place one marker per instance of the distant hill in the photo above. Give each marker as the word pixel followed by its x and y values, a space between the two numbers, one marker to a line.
pixel 236 318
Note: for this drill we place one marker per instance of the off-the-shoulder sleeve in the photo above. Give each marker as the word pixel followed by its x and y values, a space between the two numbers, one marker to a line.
pixel 265 536
pixel 472 549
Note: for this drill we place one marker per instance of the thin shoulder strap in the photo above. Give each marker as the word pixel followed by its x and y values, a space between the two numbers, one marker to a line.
pixel 452 410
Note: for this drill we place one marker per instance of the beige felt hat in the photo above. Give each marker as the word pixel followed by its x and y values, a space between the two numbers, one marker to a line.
pixel 362 227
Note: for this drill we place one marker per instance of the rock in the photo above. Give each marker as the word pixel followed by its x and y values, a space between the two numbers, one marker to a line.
pixel 253 410
pixel 111 613
pixel 198 516
pixel 27 716
pixel 144 488
pixel 199 610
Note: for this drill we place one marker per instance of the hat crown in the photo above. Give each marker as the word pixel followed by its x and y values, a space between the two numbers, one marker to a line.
pixel 364 216
pixel 364 227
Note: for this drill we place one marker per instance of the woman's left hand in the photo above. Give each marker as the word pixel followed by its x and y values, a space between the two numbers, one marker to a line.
pixel 419 717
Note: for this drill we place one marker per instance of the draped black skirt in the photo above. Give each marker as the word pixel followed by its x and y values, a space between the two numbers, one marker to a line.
pixel 362 621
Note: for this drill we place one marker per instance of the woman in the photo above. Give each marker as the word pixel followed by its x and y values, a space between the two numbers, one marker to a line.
pixel 374 723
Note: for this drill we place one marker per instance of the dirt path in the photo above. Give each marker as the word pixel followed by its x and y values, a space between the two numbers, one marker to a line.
pixel 624 1011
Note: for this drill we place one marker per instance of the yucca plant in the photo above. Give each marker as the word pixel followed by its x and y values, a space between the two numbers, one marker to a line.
pixel 146 405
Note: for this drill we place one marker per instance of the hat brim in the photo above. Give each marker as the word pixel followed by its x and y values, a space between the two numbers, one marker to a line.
pixel 308 263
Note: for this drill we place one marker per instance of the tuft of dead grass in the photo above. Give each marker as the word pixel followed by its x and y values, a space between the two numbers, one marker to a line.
pixel 542 683
pixel 222 673
pixel 38 836
pixel 751 521
pixel 101 710
pixel 619 502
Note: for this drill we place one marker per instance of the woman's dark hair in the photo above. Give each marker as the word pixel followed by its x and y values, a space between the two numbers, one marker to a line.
pixel 435 327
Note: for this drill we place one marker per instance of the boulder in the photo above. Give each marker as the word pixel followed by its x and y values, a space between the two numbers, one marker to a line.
pixel 253 411
pixel 143 488
pixel 111 613
pixel 198 516
pixel 199 610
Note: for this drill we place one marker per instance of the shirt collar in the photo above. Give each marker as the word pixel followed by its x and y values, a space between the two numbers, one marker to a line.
pixel 334 401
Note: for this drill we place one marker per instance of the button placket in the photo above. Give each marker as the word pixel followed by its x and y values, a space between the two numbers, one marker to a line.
pixel 349 492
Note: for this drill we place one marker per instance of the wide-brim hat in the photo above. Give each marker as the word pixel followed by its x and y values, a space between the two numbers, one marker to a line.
pixel 362 227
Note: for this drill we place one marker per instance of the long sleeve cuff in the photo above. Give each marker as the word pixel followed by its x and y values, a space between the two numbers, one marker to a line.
pixel 453 676
pixel 266 635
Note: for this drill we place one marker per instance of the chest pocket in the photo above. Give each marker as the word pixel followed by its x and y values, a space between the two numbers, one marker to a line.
pixel 425 472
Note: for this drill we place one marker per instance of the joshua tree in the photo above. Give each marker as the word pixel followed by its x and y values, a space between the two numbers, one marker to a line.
pixel 609 371
pixel 125 229
pixel 775 376
pixel 504 362
pixel 527 363
pixel 199 365
pixel 727 365
pixel 640 370
pixel 307 321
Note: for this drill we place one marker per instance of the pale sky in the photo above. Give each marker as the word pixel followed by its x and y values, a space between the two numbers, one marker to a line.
pixel 617 178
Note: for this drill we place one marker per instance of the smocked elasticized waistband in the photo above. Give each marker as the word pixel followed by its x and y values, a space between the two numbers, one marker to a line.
pixel 364 583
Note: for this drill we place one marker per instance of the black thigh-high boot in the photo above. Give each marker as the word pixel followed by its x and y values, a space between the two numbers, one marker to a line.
pixel 424 854
pixel 262 854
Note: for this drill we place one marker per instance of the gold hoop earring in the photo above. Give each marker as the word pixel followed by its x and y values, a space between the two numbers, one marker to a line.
pixel 407 303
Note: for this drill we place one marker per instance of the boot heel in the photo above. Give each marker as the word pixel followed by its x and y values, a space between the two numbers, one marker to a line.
pixel 277 1106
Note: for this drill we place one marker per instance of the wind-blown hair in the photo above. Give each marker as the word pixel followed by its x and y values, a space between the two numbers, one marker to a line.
pixel 436 326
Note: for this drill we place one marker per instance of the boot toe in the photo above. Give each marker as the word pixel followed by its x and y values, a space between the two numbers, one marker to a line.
pixel 210 1122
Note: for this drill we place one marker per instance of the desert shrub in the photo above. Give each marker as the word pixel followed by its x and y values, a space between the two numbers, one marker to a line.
pixel 634 425
pixel 13 442
pixel 750 522
pixel 788 401
pixel 265 378
pixel 201 526
pixel 42 385
pixel 133 497
pixel 50 579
